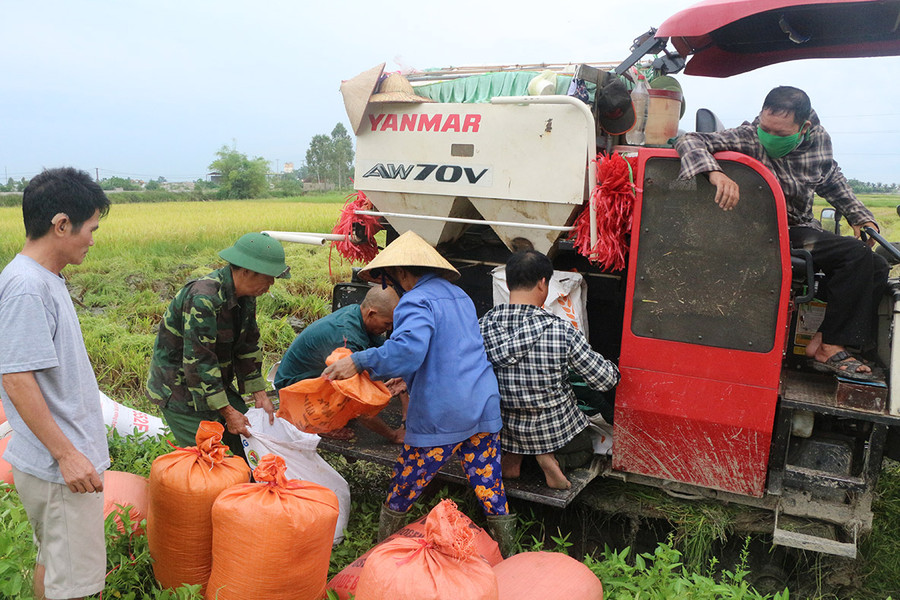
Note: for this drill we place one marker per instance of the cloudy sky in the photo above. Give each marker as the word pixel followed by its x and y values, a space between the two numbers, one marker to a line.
pixel 145 89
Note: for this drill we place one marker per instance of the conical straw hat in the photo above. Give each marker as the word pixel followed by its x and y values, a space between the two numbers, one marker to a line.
pixel 356 93
pixel 397 88
pixel 409 250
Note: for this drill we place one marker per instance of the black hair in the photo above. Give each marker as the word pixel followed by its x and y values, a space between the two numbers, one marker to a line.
pixel 526 268
pixel 418 271
pixel 789 100
pixel 64 190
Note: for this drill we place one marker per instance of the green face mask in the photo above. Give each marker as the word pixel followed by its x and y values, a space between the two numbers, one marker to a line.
pixel 777 146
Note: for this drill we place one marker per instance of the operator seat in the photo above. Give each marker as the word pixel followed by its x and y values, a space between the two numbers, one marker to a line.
pixel 707 122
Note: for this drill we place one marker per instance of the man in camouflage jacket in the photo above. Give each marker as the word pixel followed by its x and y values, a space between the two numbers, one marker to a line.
pixel 209 338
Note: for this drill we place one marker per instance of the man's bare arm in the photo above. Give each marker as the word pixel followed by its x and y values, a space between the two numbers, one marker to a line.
pixel 727 192
pixel 77 471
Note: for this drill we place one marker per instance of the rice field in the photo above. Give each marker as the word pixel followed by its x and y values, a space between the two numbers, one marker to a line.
pixel 144 253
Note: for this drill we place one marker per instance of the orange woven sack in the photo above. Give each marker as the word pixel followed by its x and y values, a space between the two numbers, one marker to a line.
pixel 546 576
pixel 183 486
pixel 125 491
pixel 272 539
pixel 6 475
pixel 344 583
pixel 319 405
pixel 444 565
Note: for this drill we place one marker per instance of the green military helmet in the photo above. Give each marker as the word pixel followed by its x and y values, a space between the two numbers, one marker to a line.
pixel 259 253
pixel 665 82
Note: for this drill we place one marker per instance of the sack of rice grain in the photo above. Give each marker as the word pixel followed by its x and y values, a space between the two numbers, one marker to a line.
pixel 444 565
pixel 320 405
pixel 272 539
pixel 6 475
pixel 546 576
pixel 183 486
pixel 125 491
pixel 344 583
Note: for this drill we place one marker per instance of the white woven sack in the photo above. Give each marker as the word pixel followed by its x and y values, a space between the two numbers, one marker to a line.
pixel 298 449
pixel 567 297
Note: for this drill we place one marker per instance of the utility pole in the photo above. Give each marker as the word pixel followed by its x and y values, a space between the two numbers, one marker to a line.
pixel 97 170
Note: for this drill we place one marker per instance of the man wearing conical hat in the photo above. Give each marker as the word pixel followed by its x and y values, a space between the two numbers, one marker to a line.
pixel 454 402
pixel 209 338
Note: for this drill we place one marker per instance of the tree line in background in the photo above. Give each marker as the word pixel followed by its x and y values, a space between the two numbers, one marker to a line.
pixel 867 187
pixel 328 165
pixel 234 175
pixel 330 159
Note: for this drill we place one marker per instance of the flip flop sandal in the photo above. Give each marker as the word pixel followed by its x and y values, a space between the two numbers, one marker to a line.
pixel 876 367
pixel 844 364
pixel 869 363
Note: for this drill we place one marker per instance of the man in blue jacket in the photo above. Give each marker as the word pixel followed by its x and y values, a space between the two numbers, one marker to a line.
pixel 454 402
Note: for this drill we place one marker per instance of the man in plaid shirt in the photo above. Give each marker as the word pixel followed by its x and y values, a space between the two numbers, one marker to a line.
pixel 532 351
pixel 788 138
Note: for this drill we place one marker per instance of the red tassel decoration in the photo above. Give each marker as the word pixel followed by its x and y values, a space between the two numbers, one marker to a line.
pixel 359 250
pixel 613 198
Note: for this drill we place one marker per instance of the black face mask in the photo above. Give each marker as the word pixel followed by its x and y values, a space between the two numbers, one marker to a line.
pixel 386 280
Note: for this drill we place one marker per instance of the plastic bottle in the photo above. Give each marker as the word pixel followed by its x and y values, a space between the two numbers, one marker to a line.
pixel 640 98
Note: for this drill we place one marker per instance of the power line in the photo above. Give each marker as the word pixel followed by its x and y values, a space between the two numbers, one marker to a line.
pixel 149 175
pixel 861 132
pixel 822 117
pixel 867 153
pixel 859 115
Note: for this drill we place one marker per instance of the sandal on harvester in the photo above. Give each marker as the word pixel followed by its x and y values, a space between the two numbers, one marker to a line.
pixel 845 365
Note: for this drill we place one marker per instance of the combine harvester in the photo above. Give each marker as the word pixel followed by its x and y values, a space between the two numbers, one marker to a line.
pixel 709 316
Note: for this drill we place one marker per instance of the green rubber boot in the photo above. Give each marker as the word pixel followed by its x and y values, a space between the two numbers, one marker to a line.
pixel 503 529
pixel 389 521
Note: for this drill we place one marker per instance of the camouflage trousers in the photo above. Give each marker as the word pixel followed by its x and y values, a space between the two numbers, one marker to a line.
pixel 184 426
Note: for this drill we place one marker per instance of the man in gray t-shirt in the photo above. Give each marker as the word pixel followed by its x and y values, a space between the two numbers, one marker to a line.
pixel 58 449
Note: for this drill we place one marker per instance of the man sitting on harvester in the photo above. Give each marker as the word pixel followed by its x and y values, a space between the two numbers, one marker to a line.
pixel 357 327
pixel 532 352
pixel 788 138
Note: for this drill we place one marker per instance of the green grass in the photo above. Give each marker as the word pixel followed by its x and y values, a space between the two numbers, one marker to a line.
pixel 880 552
pixel 661 575
pixel 883 206
pixel 879 200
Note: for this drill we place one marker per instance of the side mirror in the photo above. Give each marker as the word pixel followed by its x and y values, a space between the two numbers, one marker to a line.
pixel 831 220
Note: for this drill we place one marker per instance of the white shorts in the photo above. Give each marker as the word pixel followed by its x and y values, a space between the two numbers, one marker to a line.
pixel 68 533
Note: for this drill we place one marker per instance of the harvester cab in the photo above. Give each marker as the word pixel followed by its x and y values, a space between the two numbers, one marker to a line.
pixel 706 312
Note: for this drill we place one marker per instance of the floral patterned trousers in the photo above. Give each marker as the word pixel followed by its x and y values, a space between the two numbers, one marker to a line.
pixel 480 457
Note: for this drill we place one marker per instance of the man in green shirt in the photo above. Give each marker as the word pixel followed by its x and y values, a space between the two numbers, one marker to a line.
pixel 208 338
pixel 358 327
